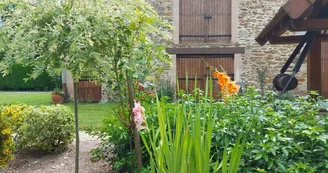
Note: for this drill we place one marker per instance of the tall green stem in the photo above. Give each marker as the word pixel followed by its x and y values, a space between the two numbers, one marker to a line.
pixel 77 140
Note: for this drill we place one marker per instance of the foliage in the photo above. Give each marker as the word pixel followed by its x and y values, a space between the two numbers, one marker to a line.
pixel 114 147
pixel 46 128
pixel 15 81
pixel 165 89
pixel 6 142
pixel 11 118
pixel 261 75
pixel 136 58
pixel 58 91
pixel 281 135
pixel 186 145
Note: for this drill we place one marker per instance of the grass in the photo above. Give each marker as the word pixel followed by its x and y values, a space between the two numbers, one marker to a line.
pixel 91 116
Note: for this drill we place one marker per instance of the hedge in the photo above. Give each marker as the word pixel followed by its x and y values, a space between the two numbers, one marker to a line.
pixel 15 81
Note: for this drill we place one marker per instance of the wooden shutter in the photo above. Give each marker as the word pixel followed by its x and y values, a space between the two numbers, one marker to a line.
pixel 196 68
pixel 220 24
pixel 324 67
pixel 205 21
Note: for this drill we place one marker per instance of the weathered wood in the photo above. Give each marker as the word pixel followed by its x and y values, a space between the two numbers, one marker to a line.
pixel 195 67
pixel 293 39
pixel 314 67
pixel 309 25
pixel 324 69
pixel 292 10
pixel 206 51
pixel 205 21
pixel 89 91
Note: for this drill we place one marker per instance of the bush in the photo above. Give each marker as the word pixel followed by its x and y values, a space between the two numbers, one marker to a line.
pixel 47 128
pixel 281 135
pixel 6 142
pixel 15 81
pixel 11 118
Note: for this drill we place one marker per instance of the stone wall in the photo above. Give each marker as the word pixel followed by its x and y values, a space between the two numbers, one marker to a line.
pixel 253 16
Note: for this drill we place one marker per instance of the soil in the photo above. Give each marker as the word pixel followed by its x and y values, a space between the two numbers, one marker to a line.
pixel 34 162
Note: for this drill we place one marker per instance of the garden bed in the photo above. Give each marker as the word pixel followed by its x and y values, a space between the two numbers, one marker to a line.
pixel 36 162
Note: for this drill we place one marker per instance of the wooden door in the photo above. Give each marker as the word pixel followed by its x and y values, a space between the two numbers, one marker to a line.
pixel 205 21
pixel 324 68
pixel 89 91
pixel 219 26
pixel 196 67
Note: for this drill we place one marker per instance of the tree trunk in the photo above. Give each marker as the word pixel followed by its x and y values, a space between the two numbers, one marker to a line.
pixel 136 137
pixel 77 140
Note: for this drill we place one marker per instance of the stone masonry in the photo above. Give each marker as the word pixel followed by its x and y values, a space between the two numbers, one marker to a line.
pixel 251 17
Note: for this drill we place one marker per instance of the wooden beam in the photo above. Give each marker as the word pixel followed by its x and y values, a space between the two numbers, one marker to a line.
pixel 314 67
pixel 298 8
pixel 206 51
pixel 309 25
pixel 293 39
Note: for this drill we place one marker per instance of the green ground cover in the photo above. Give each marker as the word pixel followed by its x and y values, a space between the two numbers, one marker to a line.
pixel 91 116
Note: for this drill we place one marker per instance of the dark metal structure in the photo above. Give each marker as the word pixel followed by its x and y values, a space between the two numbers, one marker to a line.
pixel 310 16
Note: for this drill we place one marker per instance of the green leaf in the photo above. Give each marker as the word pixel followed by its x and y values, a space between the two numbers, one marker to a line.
pixel 258 156
pixel 282 167
pixel 285 151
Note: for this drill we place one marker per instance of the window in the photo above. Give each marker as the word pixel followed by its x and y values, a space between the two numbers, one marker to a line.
pixel 205 21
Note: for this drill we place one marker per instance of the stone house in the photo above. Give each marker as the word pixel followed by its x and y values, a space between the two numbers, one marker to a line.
pixel 223 32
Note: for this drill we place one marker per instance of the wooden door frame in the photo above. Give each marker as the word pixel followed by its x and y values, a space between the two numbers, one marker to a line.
pixel 234 37
pixel 201 77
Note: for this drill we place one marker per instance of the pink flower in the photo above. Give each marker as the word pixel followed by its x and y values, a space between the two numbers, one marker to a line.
pixel 139 117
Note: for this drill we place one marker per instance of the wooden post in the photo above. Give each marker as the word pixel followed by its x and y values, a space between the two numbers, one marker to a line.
pixel 314 68
pixel 324 66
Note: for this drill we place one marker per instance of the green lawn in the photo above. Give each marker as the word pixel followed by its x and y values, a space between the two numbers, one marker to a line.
pixel 90 115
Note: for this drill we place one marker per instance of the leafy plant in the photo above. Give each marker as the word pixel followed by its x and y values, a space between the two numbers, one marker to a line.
pixel 46 128
pixel 280 135
pixel 6 142
pixel 11 118
pixel 261 75
pixel 58 91
pixel 186 145
pixel 165 89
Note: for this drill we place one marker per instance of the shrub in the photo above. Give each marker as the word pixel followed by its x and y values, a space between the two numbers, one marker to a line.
pixel 15 81
pixel 281 135
pixel 114 147
pixel 16 113
pixel 11 117
pixel 47 128
pixel 6 142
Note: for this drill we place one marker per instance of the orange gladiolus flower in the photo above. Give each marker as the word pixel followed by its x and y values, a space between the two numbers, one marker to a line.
pixel 231 86
pixel 236 89
pixel 216 74
pixel 225 80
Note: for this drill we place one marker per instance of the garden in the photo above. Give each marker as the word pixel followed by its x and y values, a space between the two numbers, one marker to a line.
pixel 149 125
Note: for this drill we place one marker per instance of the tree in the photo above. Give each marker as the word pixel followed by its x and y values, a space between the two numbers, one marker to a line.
pixel 84 37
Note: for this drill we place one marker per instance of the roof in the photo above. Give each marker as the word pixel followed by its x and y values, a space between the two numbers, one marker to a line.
pixel 296 15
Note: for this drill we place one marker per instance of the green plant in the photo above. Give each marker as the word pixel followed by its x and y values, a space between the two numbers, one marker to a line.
pixel 114 40
pixel 261 75
pixel 6 142
pixel 281 135
pixel 114 147
pixel 186 145
pixel 46 128
pixel 11 118
pixel 15 81
pixel 58 91
pixel 165 89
